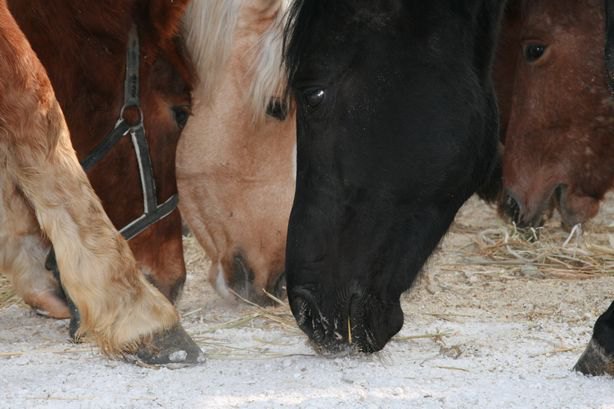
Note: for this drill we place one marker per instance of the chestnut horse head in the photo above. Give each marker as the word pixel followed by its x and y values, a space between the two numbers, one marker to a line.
pixel 557 111
pixel 235 166
pixel 83 45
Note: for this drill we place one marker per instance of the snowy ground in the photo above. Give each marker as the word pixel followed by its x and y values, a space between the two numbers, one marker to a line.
pixel 474 337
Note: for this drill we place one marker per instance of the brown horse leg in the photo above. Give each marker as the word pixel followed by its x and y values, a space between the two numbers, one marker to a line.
pixel 159 251
pixel 598 358
pixel 118 307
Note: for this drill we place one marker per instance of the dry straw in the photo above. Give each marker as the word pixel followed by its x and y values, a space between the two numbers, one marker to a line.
pixel 551 252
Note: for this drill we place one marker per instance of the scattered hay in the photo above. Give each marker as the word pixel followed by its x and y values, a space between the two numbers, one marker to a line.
pixel 549 252
pixel 280 316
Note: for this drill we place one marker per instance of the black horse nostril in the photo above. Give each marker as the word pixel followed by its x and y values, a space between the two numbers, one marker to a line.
pixel 308 315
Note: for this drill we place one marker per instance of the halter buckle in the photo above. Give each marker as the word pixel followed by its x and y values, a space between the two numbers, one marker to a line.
pixel 132 115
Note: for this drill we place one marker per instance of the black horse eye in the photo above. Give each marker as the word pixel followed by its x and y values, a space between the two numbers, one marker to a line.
pixel 181 114
pixel 277 108
pixel 314 97
pixel 533 52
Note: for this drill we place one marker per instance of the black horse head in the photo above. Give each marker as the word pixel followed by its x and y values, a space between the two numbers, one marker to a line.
pixel 397 127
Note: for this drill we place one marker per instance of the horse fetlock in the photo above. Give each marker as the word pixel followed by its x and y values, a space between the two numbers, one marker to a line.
pixel 171 348
pixel 595 361
pixel 598 358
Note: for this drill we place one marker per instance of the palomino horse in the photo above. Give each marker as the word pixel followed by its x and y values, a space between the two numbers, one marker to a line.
pixel 558 116
pixel 83 45
pixel 235 167
pixel 44 190
pixel 397 127
pixel 558 112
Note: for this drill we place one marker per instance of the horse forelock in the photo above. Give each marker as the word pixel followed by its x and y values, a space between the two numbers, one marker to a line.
pixel 269 71
pixel 210 28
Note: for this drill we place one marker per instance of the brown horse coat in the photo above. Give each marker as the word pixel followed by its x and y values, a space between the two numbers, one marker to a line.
pixel 82 45
pixel 558 114
pixel 44 193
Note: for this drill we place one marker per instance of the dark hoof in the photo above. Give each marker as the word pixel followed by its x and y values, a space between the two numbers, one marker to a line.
pixel 172 348
pixel 75 321
pixel 595 361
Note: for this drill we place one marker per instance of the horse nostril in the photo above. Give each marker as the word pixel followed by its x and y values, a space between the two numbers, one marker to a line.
pixel 308 315
pixel 279 286
pixel 512 208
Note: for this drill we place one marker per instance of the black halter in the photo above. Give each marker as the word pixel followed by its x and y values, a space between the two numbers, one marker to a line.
pixel 152 210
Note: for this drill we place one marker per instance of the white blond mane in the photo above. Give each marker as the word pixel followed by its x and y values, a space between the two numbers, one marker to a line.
pixel 209 29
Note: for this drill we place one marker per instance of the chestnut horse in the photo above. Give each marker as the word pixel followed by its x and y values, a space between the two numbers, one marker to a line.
pixel 83 45
pixel 235 165
pixel 44 192
pixel 558 123
pixel 558 113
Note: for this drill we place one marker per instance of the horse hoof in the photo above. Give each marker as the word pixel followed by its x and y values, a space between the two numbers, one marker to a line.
pixel 172 348
pixel 595 361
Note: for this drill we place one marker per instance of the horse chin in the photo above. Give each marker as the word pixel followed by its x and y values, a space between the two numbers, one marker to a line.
pixel 574 209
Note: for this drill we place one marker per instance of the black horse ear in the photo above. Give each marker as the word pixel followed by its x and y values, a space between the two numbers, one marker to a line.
pixel 609 41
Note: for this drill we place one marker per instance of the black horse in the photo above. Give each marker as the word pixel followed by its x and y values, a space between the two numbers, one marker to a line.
pixel 598 359
pixel 397 128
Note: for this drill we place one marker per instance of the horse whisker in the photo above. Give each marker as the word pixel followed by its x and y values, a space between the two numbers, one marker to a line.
pixel 349 330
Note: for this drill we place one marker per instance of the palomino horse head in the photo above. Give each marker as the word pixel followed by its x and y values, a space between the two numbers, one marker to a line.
pixel 235 164
pixel 397 126
pixel 83 44
pixel 558 111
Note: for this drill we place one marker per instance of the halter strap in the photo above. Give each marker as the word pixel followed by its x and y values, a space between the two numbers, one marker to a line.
pixel 152 210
